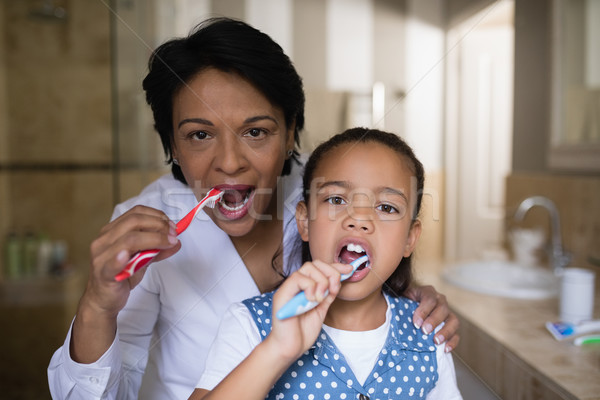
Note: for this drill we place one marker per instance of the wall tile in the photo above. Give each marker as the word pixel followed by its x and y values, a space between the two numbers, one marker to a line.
pixel 71 206
pixel 58 83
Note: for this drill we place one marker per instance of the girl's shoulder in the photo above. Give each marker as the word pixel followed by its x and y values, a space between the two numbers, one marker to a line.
pixel 401 303
pixel 260 308
pixel 402 330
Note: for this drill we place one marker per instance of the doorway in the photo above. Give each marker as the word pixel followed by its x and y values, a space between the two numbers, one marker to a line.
pixel 479 119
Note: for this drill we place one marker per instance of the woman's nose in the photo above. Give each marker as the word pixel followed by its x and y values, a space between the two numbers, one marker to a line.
pixel 231 155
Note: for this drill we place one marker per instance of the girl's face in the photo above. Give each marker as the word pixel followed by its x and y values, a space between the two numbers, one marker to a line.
pixel 361 201
pixel 228 135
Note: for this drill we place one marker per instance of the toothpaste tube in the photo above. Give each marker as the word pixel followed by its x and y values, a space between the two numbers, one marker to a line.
pixel 565 330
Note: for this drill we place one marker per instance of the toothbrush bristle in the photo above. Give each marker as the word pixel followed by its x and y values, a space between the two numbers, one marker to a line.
pixel 212 202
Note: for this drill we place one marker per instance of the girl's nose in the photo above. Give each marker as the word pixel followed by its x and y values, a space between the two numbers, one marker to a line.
pixel 359 219
pixel 231 155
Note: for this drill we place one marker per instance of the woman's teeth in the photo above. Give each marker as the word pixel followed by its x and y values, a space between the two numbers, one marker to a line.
pixel 235 206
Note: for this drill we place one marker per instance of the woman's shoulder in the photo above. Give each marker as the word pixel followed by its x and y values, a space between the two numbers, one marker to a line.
pixel 165 193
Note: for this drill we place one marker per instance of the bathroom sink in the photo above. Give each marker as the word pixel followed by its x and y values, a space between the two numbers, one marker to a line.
pixel 503 278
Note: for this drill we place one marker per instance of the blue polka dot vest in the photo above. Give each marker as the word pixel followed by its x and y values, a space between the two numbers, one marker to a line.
pixel 405 369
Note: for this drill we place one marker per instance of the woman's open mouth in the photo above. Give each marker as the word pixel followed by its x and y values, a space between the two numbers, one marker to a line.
pixel 236 201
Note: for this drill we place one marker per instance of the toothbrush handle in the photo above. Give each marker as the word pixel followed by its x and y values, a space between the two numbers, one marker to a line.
pixel 298 305
pixel 143 258
pixel 139 260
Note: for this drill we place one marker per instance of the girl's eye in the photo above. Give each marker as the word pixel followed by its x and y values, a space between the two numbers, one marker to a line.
pixel 255 133
pixel 336 200
pixel 388 209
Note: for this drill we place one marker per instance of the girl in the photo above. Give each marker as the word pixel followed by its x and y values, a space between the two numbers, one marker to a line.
pixel 362 194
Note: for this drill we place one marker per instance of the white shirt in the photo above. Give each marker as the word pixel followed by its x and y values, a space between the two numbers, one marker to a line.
pixel 238 335
pixel 172 316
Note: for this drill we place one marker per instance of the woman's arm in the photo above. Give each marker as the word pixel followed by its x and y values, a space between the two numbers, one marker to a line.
pixel 90 360
pixel 95 324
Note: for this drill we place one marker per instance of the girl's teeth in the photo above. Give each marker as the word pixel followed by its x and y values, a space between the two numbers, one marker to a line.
pixel 357 248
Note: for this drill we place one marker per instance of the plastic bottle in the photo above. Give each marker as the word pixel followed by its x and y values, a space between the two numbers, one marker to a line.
pixel 44 256
pixel 30 250
pixel 12 256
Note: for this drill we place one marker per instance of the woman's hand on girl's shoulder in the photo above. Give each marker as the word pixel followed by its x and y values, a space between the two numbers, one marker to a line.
pixel 432 311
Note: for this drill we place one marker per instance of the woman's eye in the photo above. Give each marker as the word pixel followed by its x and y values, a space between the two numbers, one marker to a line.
pixel 199 135
pixel 386 208
pixel 255 132
pixel 336 200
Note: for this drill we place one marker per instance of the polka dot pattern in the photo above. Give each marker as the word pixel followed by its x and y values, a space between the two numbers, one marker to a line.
pixel 406 367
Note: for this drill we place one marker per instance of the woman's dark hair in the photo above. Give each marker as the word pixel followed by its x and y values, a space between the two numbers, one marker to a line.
pixel 401 278
pixel 230 46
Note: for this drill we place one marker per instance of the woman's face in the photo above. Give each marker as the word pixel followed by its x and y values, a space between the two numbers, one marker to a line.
pixel 228 135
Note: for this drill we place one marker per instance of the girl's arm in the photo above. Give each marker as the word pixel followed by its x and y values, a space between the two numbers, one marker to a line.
pixel 257 373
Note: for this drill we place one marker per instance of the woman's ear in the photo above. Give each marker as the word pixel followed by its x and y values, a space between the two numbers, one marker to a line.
pixel 413 237
pixel 173 150
pixel 302 220
pixel 291 142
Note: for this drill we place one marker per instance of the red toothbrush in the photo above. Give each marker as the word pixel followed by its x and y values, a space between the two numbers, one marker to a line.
pixel 143 258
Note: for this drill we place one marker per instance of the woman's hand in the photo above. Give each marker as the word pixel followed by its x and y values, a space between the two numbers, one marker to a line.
pixel 432 311
pixel 95 323
pixel 295 335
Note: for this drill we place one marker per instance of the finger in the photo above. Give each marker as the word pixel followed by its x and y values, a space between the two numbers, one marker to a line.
pixel 136 211
pixel 115 257
pixel 333 273
pixel 438 315
pixel 294 284
pixel 142 219
pixel 452 343
pixel 319 272
pixel 448 331
pixel 432 310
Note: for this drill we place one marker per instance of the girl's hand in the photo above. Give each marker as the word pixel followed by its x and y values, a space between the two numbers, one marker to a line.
pixel 432 311
pixel 293 336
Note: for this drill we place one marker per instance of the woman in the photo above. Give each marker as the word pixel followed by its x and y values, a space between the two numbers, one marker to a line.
pixel 228 106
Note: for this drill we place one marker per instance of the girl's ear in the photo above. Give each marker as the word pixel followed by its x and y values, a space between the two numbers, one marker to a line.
pixel 413 237
pixel 302 220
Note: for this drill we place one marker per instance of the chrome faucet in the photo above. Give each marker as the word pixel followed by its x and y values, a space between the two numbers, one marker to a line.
pixel 560 258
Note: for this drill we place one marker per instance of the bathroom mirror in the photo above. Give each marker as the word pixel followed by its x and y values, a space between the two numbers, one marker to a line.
pixel 575 136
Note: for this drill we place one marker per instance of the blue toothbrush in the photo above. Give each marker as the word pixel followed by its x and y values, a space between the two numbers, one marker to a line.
pixel 299 304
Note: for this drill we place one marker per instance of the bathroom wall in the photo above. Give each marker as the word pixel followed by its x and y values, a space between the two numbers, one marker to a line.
pixel 57 137
pixel 56 170
pixel 4 151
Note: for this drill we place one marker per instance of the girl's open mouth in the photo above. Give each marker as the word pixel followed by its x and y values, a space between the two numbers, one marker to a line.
pixel 351 252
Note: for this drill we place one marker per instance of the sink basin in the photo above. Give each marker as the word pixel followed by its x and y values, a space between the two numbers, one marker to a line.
pixel 503 278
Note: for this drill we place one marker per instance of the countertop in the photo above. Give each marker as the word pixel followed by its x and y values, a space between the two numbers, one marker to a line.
pixel 516 328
